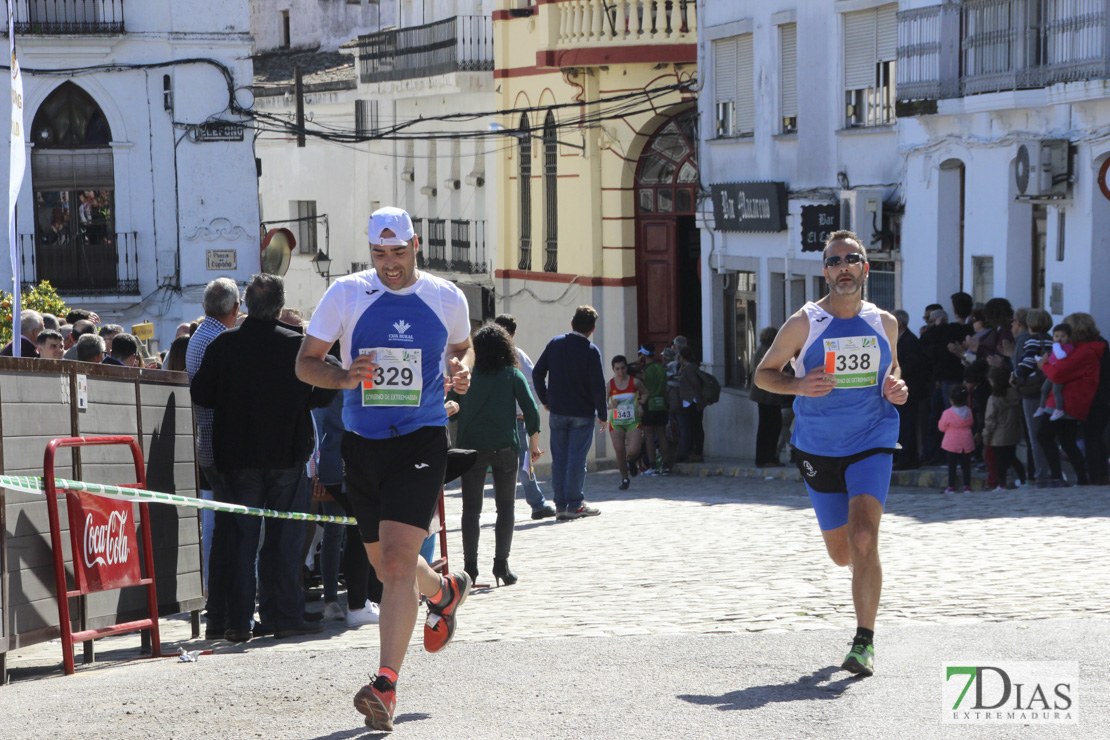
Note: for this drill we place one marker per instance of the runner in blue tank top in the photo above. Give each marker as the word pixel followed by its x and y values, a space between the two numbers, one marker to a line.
pixel 844 352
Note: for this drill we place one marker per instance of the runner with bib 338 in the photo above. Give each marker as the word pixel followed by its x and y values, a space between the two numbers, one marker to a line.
pixel 844 351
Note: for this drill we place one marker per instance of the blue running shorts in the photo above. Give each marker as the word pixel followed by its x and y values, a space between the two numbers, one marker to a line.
pixel 871 475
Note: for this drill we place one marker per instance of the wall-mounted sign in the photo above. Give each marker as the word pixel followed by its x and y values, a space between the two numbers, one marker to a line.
pixel 221 259
pixel 749 206
pixel 109 549
pixel 218 131
pixel 817 223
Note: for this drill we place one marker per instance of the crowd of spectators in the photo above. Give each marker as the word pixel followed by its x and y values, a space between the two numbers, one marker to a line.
pixel 1027 380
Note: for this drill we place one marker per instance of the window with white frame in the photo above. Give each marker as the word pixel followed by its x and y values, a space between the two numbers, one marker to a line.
pixel 732 81
pixel 366 117
pixel 305 211
pixel 870 54
pixel 788 50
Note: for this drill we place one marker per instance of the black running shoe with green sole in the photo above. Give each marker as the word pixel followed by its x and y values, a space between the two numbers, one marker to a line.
pixel 860 659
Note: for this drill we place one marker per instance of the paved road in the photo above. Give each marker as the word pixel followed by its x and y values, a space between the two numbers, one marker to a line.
pixel 713 611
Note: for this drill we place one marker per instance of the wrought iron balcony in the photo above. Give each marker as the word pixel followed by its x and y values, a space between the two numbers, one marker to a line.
pixel 1002 45
pixel 458 44
pixel 587 23
pixel 100 265
pixel 67 17
pixel 466 252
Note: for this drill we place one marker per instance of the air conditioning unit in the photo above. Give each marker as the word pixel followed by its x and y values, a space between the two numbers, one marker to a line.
pixel 861 211
pixel 1042 171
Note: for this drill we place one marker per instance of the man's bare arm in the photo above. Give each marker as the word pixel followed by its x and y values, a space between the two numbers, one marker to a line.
pixel 894 388
pixel 789 342
pixel 312 369
pixel 460 358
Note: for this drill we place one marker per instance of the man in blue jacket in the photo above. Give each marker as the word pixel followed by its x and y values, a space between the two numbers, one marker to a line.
pixel 574 394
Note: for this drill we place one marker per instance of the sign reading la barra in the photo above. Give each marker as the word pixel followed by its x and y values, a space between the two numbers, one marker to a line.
pixel 749 206
pixel 817 223
pixel 107 554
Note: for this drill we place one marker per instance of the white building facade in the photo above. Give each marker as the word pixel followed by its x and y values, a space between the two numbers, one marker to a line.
pixel 140 186
pixel 415 68
pixel 798 138
pixel 1004 109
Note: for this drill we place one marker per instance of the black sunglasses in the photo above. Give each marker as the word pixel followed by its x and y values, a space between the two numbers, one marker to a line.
pixel 853 258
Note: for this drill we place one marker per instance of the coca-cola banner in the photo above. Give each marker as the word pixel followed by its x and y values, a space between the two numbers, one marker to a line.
pixel 105 552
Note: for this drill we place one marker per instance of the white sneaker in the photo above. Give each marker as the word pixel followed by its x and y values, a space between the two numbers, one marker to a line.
pixel 333 611
pixel 366 615
pixel 1040 412
pixel 1056 415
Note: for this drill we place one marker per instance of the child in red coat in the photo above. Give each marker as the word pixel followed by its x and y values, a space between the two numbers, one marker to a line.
pixel 958 442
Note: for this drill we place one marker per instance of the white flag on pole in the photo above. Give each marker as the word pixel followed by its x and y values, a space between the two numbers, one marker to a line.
pixel 15 180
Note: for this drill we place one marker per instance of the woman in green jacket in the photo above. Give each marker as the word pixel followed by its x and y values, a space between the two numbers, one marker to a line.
pixel 487 423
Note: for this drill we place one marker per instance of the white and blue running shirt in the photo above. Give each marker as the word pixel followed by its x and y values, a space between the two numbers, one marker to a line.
pixel 364 315
pixel 855 416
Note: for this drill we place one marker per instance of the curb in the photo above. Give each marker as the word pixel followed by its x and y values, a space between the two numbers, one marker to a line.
pixel 927 478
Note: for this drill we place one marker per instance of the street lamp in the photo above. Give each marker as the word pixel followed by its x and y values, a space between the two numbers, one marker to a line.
pixel 322 264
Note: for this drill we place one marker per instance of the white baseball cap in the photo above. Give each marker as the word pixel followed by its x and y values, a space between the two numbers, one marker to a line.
pixel 394 219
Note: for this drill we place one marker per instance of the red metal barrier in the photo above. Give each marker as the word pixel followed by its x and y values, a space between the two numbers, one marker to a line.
pixel 102 535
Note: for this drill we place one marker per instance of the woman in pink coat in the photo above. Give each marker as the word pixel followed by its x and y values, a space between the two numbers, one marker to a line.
pixel 958 441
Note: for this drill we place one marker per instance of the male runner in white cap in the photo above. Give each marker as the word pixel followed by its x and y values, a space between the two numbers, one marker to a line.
pixel 400 331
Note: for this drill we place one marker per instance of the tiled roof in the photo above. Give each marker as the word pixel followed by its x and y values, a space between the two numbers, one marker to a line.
pixel 320 70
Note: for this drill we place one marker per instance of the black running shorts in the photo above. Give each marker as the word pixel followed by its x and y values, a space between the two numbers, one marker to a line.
pixel 397 479
pixel 654 419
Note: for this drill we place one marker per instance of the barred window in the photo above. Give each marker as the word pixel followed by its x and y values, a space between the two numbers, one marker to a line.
pixel 551 193
pixel 525 181
pixel 366 117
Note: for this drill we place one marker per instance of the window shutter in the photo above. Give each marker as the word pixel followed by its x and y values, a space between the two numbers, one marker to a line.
pixel 859 49
pixel 80 169
pixel 724 74
pixel 789 70
pixel 887 33
pixel 745 93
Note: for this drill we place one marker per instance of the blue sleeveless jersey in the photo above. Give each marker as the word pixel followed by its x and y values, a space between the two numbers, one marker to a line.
pixel 854 417
pixel 363 314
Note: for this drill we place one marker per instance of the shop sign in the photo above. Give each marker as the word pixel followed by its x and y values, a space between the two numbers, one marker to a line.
pixel 749 206
pixel 817 223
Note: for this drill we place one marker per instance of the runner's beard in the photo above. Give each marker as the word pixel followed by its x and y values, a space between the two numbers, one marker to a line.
pixel 848 288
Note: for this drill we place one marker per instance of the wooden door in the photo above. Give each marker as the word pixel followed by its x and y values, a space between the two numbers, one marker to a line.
pixel 657 280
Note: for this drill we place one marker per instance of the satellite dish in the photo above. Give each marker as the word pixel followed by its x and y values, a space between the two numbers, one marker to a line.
pixel 1021 170
pixel 277 250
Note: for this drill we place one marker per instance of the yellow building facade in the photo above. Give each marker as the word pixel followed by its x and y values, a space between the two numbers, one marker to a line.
pixel 598 170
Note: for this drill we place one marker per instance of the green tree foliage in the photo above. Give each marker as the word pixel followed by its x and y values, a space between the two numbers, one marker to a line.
pixel 42 298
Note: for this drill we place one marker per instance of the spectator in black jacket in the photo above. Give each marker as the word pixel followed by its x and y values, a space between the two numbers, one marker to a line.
pixel 916 374
pixel 574 393
pixel 261 439
pixel 770 409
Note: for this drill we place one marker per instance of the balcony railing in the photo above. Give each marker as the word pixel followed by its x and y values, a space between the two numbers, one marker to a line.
pixel 465 253
pixel 1003 45
pixel 103 265
pixel 604 23
pixel 458 44
pixel 67 17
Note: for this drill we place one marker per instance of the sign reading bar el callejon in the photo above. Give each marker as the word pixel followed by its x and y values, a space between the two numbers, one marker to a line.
pixel 817 223
pixel 749 206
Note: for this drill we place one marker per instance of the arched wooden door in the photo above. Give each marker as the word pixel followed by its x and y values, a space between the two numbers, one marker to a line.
pixel 668 292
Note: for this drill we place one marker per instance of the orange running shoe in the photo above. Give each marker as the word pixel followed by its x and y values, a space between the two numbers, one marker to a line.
pixel 440 625
pixel 377 701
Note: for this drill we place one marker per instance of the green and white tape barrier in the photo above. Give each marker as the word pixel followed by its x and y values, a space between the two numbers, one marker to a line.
pixel 37 485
